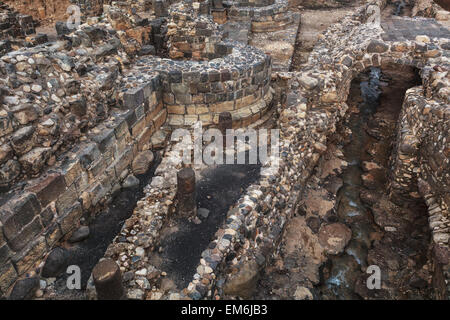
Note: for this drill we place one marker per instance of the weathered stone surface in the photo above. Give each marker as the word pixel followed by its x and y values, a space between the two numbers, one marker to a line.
pixel 244 282
pixel 376 46
pixel 79 235
pixel 55 263
pixel 142 162
pixel 24 289
pixel 334 237
pixel 22 140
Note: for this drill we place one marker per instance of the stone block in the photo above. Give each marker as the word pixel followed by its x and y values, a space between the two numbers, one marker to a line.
pixel 88 154
pixel 176 109
pixel 71 171
pixel 133 98
pixel 26 259
pixel 48 188
pixel 70 218
pixel 124 160
pixel 8 276
pixel 160 119
pixel 22 238
pixel 138 127
pixel 18 213
pixel 5 254
pixel 67 199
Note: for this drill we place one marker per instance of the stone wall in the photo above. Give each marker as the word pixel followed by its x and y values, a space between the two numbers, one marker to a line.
pixel 271 17
pixel 77 112
pixel 194 36
pixel 421 163
pixel 67 142
pixel 192 91
pixel 430 9
pixel 43 10
pixel 13 24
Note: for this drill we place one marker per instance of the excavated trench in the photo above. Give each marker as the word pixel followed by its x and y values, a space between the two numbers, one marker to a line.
pixel 348 193
pixel 103 228
pixel 393 237
pixel 183 242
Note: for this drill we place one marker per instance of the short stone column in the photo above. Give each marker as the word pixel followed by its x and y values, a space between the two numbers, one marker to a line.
pixel 108 280
pixel 186 193
pixel 225 122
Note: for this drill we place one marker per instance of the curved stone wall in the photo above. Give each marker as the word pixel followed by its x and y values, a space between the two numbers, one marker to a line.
pixel 271 17
pixel 253 3
pixel 201 90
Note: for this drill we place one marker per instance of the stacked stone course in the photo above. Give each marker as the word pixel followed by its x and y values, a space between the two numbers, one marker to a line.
pixel 265 16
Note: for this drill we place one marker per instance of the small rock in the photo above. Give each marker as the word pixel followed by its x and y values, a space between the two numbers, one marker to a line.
pixel 334 237
pixel 136 294
pixel 55 263
pixel 80 234
pixel 25 289
pixel 130 182
pixel 203 213
pixel 303 293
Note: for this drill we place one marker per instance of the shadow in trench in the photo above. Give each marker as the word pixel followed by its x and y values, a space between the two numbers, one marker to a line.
pixel 102 230
pixel 218 189
pixel 394 238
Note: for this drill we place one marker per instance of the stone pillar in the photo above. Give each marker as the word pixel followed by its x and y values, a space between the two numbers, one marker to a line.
pixel 186 193
pixel 108 280
pixel 225 122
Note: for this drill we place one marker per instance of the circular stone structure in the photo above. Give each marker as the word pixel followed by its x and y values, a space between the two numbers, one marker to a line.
pixel 200 90
pixel 264 15
pixel 203 76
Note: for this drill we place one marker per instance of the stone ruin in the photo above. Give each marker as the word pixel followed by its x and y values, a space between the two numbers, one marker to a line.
pixel 80 117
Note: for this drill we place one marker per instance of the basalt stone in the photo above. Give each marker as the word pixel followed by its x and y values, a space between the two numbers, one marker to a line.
pixel 27 234
pixel 22 140
pixel 56 263
pixel 133 98
pixel 78 107
pixel 105 50
pixel 147 50
pixel 203 213
pixel 73 87
pixel 142 162
pixel 376 46
pixel 80 234
pixel 9 171
pixel 313 223
pixel 131 182
pixel 49 188
pixel 95 33
pixel 18 214
pixel 61 28
pixel 334 237
pixel 24 289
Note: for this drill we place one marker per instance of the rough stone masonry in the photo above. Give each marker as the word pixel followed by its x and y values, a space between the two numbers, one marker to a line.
pixel 80 115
